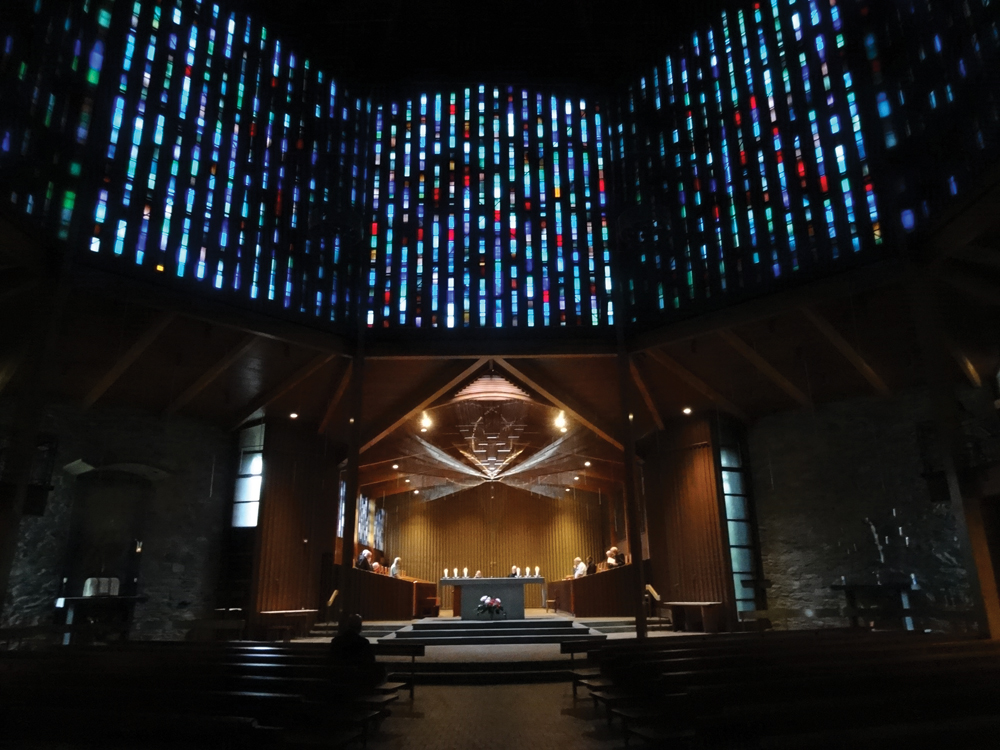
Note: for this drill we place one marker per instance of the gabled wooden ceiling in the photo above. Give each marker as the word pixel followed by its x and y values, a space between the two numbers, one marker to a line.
pixel 851 336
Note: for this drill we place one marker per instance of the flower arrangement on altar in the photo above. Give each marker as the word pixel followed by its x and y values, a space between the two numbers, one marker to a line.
pixel 490 605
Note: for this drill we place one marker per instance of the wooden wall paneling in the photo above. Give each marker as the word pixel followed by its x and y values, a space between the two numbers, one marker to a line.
pixel 296 522
pixel 490 528
pixel 688 548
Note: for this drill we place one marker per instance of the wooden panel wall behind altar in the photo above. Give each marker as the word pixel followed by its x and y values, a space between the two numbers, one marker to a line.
pixel 687 540
pixel 297 519
pixel 490 528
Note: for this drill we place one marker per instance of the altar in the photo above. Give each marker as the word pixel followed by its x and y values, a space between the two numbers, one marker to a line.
pixel 510 592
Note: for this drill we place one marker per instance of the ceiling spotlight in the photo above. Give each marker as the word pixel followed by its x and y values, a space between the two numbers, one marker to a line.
pixel 425 422
pixel 416 492
pixel 407 481
pixel 686 410
pixel 567 489
pixel 395 466
pixel 561 421
pixel 293 415
pixel 423 429
pixel 631 417
pixel 576 478
pixel 563 429
pixel 586 463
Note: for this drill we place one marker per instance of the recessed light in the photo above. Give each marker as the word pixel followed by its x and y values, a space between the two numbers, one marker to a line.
pixel 416 492
pixel 425 422
pixel 577 478
pixel 686 410
pixel 567 489
pixel 423 429
pixel 395 466
pixel 563 429
pixel 293 415
pixel 407 481
pixel 586 463
pixel 561 421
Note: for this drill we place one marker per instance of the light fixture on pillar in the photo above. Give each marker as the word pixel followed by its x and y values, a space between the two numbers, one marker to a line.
pixel 560 422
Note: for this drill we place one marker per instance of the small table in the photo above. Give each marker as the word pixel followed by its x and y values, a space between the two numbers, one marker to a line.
pixel 695 616
pixel 510 591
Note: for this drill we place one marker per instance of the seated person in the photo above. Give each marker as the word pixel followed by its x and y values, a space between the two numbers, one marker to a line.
pixel 611 559
pixel 376 567
pixel 396 570
pixel 513 572
pixel 479 574
pixel 364 561
pixel 352 650
pixel 591 568
pixel 618 556
pixel 579 568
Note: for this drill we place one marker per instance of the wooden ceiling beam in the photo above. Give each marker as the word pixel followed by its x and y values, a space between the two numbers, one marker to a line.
pixel 765 367
pixel 270 396
pixel 421 402
pixel 126 360
pixel 644 392
pixel 213 372
pixel 331 408
pixel 684 374
pixel 843 346
pixel 547 391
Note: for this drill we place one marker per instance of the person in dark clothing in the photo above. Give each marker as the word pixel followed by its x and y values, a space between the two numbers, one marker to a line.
pixel 364 561
pixel 591 568
pixel 352 650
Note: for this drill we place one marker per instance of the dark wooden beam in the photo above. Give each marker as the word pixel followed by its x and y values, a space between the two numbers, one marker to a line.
pixel 126 360
pixel 331 408
pixel 421 402
pixel 644 392
pixel 682 373
pixel 844 347
pixel 272 395
pixel 765 367
pixel 209 376
pixel 838 287
pixel 547 391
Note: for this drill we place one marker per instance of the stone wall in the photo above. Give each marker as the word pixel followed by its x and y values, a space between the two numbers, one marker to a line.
pixel 184 524
pixel 840 496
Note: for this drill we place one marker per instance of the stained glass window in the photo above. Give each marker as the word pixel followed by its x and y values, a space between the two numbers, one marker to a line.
pixel 743 163
pixel 379 542
pixel 466 231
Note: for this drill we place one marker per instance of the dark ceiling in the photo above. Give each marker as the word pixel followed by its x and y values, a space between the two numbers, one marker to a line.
pixel 387 43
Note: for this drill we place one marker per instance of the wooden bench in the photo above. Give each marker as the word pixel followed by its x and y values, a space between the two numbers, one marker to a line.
pixel 412 650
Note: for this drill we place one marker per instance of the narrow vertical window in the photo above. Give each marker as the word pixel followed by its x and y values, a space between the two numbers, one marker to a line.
pixel 246 502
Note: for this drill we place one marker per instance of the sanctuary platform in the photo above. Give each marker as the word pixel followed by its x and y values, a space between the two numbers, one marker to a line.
pixel 438 632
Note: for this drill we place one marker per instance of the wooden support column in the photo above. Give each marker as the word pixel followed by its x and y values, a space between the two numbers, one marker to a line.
pixel 934 344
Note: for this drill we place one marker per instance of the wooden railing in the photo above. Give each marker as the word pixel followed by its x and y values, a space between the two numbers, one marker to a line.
pixel 605 594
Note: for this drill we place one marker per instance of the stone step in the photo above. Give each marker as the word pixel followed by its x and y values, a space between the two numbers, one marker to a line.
pixel 489 639
pixel 532 623
pixel 490 633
